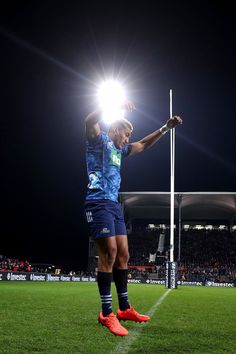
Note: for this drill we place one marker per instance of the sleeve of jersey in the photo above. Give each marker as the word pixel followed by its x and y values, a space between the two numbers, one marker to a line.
pixel 99 139
pixel 126 150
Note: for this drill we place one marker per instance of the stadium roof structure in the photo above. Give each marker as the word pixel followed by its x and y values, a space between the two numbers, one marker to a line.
pixel 200 206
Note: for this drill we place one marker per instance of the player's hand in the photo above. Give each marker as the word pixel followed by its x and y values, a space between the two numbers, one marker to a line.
pixel 173 122
pixel 128 106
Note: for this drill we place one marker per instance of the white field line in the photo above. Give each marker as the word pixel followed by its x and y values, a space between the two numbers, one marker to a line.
pixel 126 342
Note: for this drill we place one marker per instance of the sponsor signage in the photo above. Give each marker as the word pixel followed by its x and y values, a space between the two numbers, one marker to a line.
pixel 171 275
pixel 193 283
pixel 65 278
pixel 136 280
pixel 20 276
pixel 17 276
pixel 37 277
pixel 155 281
pixel 52 277
pixel 224 285
pixel 74 278
pixel 146 281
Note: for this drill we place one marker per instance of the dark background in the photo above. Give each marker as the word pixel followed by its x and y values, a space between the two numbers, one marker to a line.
pixel 53 56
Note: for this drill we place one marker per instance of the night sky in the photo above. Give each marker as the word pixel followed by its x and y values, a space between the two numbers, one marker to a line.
pixel 53 56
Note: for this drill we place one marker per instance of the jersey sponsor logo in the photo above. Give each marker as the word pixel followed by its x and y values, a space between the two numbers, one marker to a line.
pixel 105 230
pixel 115 158
pixel 110 145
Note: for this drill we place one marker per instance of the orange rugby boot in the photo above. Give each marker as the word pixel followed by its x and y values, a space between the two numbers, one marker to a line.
pixel 132 315
pixel 112 323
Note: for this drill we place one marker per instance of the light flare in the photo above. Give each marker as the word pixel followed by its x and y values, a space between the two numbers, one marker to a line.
pixel 111 96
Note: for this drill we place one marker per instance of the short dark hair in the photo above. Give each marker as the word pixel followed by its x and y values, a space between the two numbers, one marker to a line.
pixel 121 123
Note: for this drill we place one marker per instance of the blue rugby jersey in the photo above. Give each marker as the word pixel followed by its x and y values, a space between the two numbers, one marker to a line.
pixel 103 167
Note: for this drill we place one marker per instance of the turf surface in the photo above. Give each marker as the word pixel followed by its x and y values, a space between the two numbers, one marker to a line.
pixel 61 318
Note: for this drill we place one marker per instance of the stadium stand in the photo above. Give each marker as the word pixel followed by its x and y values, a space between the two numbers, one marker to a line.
pixel 14 265
pixel 207 252
pixel 205 255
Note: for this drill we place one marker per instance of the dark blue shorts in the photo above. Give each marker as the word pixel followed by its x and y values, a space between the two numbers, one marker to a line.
pixel 105 218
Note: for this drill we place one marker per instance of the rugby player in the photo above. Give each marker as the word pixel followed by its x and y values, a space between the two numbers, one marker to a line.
pixel 104 153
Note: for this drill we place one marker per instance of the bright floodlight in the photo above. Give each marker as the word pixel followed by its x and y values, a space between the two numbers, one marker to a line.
pixel 111 96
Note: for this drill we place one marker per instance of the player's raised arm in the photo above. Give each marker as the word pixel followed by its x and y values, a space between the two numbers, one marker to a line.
pixel 152 138
pixel 92 127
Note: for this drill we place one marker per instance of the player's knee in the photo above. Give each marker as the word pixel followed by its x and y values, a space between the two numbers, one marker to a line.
pixel 122 259
pixel 111 256
pixel 126 257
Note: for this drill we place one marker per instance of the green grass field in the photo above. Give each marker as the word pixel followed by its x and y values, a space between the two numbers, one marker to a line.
pixel 61 318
